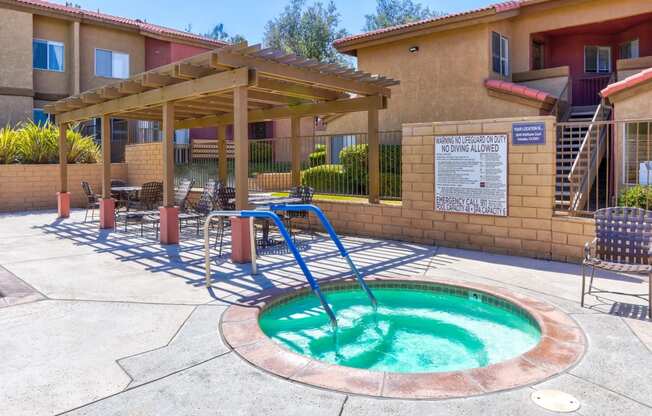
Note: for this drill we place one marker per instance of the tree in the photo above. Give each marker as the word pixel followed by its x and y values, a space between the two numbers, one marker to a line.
pixel 219 33
pixel 397 12
pixel 308 31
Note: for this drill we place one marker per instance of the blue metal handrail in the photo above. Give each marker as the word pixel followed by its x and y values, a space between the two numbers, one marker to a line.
pixel 288 239
pixel 336 239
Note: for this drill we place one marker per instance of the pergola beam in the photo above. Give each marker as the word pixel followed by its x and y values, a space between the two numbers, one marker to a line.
pixel 298 90
pixel 225 57
pixel 301 110
pixel 222 81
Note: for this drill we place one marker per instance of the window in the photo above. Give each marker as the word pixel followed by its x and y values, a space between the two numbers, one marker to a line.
pixel 537 54
pixel 259 130
pixel 500 54
pixel 629 50
pixel 109 64
pixel 40 117
pixel 597 59
pixel 47 55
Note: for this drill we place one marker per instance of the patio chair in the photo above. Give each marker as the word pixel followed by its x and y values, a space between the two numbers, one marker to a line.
pixel 306 194
pixel 181 194
pixel 121 198
pixel 149 199
pixel 198 211
pixel 225 202
pixel 622 245
pixel 92 200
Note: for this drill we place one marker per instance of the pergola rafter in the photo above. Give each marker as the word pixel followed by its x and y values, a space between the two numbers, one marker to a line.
pixel 231 85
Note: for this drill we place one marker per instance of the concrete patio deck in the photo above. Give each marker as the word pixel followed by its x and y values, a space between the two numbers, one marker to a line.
pixel 102 323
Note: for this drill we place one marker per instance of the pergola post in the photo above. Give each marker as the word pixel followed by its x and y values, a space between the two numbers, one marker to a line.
pixel 374 155
pixel 222 162
pixel 295 142
pixel 240 235
pixel 107 204
pixel 63 196
pixel 169 213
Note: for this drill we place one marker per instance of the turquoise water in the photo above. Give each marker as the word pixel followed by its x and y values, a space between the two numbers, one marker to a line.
pixel 411 332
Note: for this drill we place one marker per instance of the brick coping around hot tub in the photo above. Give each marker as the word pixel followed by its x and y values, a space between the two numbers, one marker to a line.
pixel 561 346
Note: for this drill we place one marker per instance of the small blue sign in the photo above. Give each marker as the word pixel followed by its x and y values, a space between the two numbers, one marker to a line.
pixel 529 133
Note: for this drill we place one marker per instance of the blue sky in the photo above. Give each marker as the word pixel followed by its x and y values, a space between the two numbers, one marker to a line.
pixel 246 17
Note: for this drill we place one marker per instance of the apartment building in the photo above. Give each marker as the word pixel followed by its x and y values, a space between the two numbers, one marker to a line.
pixel 50 51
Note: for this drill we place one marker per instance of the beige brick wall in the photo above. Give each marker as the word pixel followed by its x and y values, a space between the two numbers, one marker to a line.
pixel 145 163
pixel 27 187
pixel 531 229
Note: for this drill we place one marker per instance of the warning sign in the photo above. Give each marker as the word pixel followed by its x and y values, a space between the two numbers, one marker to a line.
pixel 471 174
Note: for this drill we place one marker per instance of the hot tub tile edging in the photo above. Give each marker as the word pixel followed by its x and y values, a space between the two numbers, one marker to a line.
pixel 551 356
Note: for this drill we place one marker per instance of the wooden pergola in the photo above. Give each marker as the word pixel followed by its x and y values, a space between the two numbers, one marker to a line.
pixel 230 85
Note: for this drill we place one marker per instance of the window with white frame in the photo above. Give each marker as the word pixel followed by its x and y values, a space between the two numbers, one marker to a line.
pixel 48 55
pixel 110 64
pixel 629 50
pixel 500 54
pixel 597 59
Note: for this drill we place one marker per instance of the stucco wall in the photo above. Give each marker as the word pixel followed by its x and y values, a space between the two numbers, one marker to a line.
pixel 52 82
pixel 548 17
pixel 16 80
pixel 145 163
pixel 26 187
pixel 114 40
pixel 14 109
pixel 443 81
pixel 15 49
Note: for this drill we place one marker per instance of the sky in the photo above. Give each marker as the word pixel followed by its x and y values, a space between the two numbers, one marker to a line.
pixel 244 17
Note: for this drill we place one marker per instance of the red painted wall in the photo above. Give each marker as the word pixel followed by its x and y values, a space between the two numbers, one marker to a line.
pixel 569 50
pixel 179 51
pixel 157 53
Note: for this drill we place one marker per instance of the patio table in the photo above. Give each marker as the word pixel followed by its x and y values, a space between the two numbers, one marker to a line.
pixel 264 201
pixel 129 190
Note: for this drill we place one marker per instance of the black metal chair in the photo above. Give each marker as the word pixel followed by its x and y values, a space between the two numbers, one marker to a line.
pixel 622 245
pixel 225 202
pixel 121 198
pixel 306 193
pixel 92 200
pixel 149 198
pixel 205 204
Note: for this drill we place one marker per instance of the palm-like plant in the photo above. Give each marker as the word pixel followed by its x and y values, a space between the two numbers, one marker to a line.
pixel 81 149
pixel 8 146
pixel 39 144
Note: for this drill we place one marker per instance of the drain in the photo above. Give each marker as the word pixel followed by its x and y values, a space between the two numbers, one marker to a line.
pixel 555 401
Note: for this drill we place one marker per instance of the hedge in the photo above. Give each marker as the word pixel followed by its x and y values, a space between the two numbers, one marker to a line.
pixel 637 196
pixel 318 157
pixel 260 152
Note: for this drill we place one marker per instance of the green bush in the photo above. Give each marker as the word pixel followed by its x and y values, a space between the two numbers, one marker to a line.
pixel 318 157
pixel 352 176
pixel 260 152
pixel 637 196
pixel 324 178
pixel 8 146
pixel 30 143
pixel 390 185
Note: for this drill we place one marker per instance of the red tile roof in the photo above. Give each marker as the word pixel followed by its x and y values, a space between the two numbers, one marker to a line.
pixel 496 8
pixel 519 90
pixel 120 21
pixel 629 82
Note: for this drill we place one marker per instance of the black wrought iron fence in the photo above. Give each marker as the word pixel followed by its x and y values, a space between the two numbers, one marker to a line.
pixel 331 164
pixel 603 163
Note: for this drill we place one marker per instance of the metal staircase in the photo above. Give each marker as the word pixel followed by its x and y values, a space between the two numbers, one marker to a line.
pixel 569 141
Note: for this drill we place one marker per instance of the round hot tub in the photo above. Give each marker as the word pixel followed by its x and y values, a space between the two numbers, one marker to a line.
pixel 426 339
pixel 415 329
